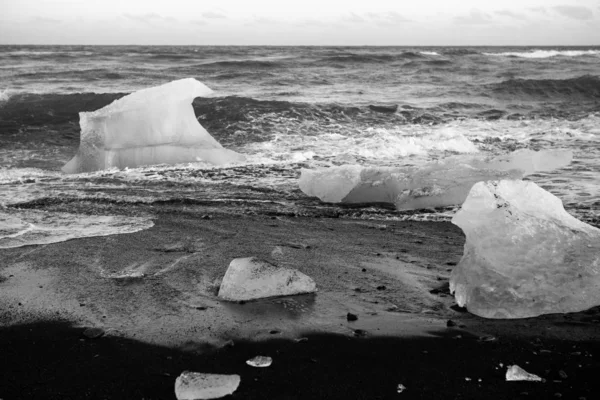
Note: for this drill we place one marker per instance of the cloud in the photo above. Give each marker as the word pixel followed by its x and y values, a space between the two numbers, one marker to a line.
pixel 511 14
pixel 475 17
pixel 213 15
pixel 311 22
pixel 575 12
pixel 199 22
pixel 541 10
pixel 149 18
pixel 259 20
pixel 387 18
pixel 45 20
pixel 353 18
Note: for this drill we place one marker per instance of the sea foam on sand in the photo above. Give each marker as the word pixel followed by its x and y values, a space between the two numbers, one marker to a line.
pixel 151 126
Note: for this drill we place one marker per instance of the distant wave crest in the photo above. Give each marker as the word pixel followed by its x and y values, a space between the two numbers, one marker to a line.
pixel 547 53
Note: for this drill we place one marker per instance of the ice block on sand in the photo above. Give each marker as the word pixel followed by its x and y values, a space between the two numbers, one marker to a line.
pixel 524 255
pixel 436 184
pixel 197 386
pixel 151 126
pixel 251 278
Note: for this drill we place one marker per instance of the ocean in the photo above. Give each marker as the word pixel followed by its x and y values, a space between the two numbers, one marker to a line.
pixel 288 108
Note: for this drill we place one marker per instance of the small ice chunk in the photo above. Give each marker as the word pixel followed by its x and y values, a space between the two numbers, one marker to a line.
pixel 260 361
pixel 251 278
pixel 436 184
pixel 524 255
pixel 196 386
pixel 516 373
pixel 151 126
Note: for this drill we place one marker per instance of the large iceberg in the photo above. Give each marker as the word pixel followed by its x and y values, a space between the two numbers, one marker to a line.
pixel 524 255
pixel 435 184
pixel 151 126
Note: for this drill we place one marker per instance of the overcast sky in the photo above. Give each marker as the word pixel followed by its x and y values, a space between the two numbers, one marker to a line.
pixel 301 22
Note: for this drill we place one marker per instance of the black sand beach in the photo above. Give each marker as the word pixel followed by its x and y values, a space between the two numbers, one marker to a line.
pixel 167 319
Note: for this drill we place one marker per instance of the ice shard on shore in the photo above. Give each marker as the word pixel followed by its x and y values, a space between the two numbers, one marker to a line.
pixel 436 184
pixel 151 126
pixel 198 386
pixel 524 255
pixel 251 279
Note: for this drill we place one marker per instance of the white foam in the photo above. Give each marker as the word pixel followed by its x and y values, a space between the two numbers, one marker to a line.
pixel 5 94
pixel 375 144
pixel 429 53
pixel 546 53
pixel 30 227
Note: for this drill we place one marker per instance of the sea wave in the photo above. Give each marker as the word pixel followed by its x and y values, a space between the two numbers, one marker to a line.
pixel 22 109
pixel 241 64
pixel 372 57
pixel 587 86
pixel 546 53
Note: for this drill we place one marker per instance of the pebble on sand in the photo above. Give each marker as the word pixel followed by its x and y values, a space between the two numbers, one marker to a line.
pixel 260 361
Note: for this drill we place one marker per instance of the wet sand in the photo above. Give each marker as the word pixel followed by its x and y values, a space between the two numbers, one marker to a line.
pixel 153 294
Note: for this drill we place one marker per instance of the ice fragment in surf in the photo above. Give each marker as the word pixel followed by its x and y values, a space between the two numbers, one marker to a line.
pixel 516 373
pixel 151 126
pixel 524 255
pixel 435 184
pixel 195 386
pixel 251 278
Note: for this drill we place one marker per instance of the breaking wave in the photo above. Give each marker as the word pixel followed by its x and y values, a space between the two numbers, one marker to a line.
pixel 547 53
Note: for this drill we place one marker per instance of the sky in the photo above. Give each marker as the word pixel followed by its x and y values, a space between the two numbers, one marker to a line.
pixel 301 22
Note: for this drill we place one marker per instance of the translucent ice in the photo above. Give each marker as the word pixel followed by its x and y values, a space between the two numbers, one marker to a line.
pixel 197 386
pixel 251 278
pixel 436 184
pixel 516 373
pixel 151 126
pixel 524 256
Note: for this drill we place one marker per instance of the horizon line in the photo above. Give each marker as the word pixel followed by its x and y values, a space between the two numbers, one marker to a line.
pixel 308 45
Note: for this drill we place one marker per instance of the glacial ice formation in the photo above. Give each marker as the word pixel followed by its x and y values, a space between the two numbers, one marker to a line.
pixel 435 184
pixel 251 278
pixel 151 126
pixel 524 255
pixel 28 227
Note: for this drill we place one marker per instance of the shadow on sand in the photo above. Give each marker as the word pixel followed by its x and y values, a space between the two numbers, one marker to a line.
pixel 53 360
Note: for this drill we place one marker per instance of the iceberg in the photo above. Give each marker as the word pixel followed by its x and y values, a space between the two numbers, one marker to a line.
pixel 251 279
pixel 150 126
pixel 436 184
pixel 524 255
